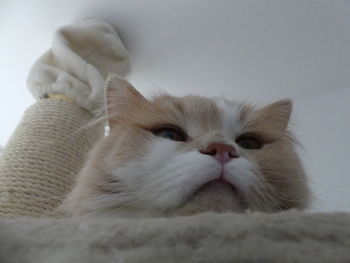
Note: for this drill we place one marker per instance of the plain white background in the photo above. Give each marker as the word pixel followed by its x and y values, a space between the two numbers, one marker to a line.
pixel 255 50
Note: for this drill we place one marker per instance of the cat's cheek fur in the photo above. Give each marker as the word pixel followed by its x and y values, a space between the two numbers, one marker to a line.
pixel 165 177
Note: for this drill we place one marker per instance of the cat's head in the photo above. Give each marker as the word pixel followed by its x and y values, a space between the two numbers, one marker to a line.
pixel 169 155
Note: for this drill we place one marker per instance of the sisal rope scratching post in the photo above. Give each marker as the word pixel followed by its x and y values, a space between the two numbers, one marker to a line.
pixel 39 164
pixel 48 148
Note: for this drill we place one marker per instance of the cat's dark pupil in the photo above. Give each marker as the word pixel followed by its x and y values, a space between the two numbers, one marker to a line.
pixel 170 133
pixel 249 143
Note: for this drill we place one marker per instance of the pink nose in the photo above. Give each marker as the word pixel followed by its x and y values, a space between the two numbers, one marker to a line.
pixel 222 152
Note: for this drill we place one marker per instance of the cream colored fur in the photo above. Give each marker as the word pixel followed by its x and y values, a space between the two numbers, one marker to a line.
pixel 134 173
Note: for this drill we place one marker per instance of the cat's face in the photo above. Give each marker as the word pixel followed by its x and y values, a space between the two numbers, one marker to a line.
pixel 192 154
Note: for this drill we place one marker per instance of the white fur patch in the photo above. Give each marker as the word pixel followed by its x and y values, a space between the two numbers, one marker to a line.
pixel 167 177
pixel 231 124
pixel 242 173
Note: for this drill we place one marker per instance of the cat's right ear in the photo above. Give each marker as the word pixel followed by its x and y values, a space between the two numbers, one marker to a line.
pixel 120 97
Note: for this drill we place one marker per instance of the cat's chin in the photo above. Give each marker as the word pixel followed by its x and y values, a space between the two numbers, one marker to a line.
pixel 216 196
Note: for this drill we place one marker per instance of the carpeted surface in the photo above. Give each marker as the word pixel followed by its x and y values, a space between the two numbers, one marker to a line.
pixel 255 237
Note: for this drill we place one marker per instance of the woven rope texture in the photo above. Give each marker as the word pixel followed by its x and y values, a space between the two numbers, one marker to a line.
pixel 39 164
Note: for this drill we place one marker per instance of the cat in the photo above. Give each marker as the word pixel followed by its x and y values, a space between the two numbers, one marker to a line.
pixel 169 156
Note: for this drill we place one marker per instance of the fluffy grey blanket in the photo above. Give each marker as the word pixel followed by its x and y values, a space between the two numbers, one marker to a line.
pixel 255 237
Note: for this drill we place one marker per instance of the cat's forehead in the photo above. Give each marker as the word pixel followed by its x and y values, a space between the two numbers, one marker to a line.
pixel 208 113
pixel 233 115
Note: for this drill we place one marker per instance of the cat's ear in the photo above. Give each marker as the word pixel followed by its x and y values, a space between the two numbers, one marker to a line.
pixel 272 120
pixel 120 97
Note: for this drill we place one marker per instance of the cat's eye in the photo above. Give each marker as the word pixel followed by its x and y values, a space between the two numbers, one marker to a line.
pixel 250 143
pixel 171 133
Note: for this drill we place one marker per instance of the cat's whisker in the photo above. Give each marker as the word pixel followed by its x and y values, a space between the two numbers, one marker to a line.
pixel 284 180
pixel 120 200
pixel 105 202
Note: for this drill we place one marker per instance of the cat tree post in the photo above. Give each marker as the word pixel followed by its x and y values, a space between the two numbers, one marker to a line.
pixel 39 164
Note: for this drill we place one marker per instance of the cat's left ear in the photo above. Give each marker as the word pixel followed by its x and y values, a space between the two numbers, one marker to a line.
pixel 272 120
pixel 121 96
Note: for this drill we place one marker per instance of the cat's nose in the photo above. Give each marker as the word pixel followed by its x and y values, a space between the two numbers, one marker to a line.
pixel 222 152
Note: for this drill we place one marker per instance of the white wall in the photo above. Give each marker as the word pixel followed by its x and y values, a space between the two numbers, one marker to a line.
pixel 323 126
pixel 252 49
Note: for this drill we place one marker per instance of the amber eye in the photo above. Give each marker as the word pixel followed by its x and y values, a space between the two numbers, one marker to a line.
pixel 249 143
pixel 171 133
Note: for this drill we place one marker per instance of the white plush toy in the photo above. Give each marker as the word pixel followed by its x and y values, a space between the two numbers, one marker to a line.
pixel 77 64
